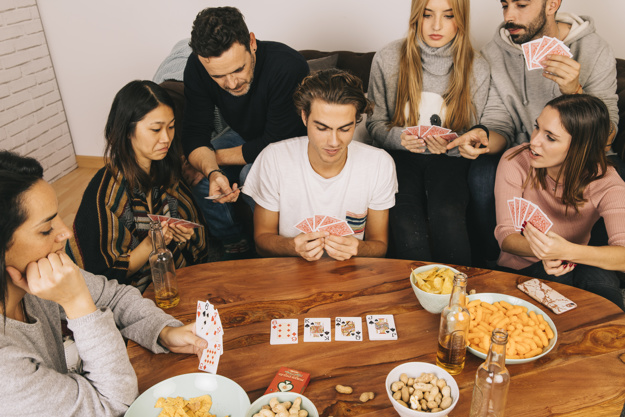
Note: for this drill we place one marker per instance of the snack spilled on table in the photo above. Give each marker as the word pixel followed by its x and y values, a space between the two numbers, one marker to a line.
pixel 427 393
pixel 179 407
pixel 529 333
pixel 435 280
pixel 276 408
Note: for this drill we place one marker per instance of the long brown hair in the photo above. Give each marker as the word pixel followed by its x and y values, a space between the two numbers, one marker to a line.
pixel 460 109
pixel 587 120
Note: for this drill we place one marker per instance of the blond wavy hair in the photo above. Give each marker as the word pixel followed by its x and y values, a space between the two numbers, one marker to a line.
pixel 457 99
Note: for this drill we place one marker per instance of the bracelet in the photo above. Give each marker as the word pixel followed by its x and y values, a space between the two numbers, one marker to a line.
pixel 484 128
pixel 579 90
pixel 208 177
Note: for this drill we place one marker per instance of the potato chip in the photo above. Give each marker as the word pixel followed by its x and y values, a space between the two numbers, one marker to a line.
pixel 179 407
pixel 435 280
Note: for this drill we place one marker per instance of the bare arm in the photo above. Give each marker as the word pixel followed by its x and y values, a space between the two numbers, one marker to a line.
pixel 204 160
pixel 230 156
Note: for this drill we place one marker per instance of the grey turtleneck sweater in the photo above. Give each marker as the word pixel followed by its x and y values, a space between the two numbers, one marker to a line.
pixel 437 65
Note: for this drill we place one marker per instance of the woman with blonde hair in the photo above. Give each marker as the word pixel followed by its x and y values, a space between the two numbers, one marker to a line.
pixel 432 77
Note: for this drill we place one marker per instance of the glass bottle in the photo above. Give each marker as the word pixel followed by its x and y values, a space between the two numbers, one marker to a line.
pixel 163 270
pixel 454 329
pixel 492 380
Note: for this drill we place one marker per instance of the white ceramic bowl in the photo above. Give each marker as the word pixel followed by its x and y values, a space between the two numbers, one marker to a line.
pixel 414 370
pixel 282 397
pixel 493 297
pixel 434 303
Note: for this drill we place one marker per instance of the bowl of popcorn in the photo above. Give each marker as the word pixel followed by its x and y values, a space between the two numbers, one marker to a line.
pixel 419 389
pixel 291 404
pixel 432 284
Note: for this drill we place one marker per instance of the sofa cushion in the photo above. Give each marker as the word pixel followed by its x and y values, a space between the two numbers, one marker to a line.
pixel 358 63
pixel 324 63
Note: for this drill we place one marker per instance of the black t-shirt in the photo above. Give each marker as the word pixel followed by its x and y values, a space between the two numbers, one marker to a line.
pixel 265 114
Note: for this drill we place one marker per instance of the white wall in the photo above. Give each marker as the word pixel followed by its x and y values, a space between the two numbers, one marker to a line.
pixel 97 47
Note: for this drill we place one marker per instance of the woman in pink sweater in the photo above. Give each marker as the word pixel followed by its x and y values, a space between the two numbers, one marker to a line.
pixel 564 171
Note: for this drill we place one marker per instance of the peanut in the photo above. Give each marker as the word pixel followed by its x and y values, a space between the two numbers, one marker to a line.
pixel 425 393
pixel 343 389
pixel 366 396
pixel 285 409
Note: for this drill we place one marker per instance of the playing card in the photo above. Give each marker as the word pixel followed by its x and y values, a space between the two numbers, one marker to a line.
pixel 381 327
pixel 337 229
pixel 540 220
pixel 348 329
pixel 210 358
pixel 218 196
pixel 517 207
pixel 545 47
pixel 523 205
pixel 328 220
pixel 318 219
pixel 207 322
pixel 284 332
pixel 557 49
pixel 449 136
pixel 511 208
pixel 528 213
pixel 317 330
pixel 303 226
pixel 436 131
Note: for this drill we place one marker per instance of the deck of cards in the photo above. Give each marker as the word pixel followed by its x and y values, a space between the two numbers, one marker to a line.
pixel 172 220
pixel 523 210
pixel 536 51
pixel 208 327
pixel 422 131
pixel 321 223
pixel 319 329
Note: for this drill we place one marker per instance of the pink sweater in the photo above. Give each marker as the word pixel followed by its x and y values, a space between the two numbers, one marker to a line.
pixel 605 198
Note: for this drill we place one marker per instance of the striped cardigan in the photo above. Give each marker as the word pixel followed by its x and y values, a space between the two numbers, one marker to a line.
pixel 111 222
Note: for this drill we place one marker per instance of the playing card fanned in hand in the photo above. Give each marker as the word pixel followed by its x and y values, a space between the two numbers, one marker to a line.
pixel 173 220
pixel 535 52
pixel 422 131
pixel 332 225
pixel 522 211
pixel 208 327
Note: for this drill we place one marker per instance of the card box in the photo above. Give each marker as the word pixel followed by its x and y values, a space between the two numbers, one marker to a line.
pixel 289 380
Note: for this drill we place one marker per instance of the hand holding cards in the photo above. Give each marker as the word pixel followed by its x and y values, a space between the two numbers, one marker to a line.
pixel 208 327
pixel 422 131
pixel 535 52
pixel 173 221
pixel 523 211
pixel 321 223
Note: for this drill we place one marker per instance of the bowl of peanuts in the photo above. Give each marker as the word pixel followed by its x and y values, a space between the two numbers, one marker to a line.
pixel 419 389
pixel 531 333
pixel 438 281
pixel 278 404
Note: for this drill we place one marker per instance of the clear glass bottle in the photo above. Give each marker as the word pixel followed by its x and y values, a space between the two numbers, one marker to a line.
pixel 163 270
pixel 492 380
pixel 454 329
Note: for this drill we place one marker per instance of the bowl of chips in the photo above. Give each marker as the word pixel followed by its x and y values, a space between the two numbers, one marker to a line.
pixel 432 284
pixel 282 398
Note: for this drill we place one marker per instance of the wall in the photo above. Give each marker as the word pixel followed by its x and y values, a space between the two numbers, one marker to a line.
pixel 32 119
pixel 97 47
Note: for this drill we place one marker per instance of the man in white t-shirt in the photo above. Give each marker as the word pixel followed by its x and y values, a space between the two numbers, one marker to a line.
pixel 324 173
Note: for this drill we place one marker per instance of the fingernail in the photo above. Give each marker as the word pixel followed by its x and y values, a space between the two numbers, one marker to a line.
pixel 524 224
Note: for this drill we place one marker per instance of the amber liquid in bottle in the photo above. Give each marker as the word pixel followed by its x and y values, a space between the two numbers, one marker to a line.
pixel 492 380
pixel 163 270
pixel 454 327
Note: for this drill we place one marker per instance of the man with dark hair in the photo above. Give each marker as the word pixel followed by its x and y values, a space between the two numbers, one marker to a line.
pixel 251 82
pixel 325 174
pixel 518 95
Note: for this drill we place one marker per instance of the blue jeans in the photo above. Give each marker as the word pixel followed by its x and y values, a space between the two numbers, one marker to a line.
pixel 220 218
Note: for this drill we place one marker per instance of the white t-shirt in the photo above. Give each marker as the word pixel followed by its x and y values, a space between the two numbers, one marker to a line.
pixel 282 180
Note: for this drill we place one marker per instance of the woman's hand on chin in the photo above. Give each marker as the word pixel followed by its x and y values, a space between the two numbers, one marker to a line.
pixel 56 278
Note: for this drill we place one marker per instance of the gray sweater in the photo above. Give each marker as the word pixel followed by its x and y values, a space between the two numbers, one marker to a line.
pixel 517 96
pixel 437 65
pixel 35 381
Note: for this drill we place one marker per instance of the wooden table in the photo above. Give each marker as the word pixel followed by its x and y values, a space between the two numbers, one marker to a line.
pixel 584 375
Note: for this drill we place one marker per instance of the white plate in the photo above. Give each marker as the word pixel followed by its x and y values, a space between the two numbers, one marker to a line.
pixel 228 396
pixel 491 298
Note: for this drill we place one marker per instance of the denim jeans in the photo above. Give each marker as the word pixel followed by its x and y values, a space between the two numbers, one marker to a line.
pixel 428 221
pixel 589 278
pixel 220 218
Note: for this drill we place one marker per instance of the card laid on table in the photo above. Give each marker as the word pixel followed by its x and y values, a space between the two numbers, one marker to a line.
pixel 348 329
pixel 317 330
pixel 284 332
pixel 381 327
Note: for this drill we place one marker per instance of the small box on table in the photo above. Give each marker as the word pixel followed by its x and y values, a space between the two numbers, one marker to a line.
pixel 289 380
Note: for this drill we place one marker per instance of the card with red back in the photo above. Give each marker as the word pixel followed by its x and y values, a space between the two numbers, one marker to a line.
pixel 303 226
pixel 530 210
pixel 557 49
pixel 523 205
pixel 185 223
pixel 511 209
pixel 517 206
pixel 437 130
pixel 338 229
pixel 544 48
pixel 328 220
pixel 539 220
pixel 318 219
pixel 284 332
pixel 422 130
pixel 449 136
pixel 534 45
pixel 289 380
pixel 210 358
pixel 527 54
